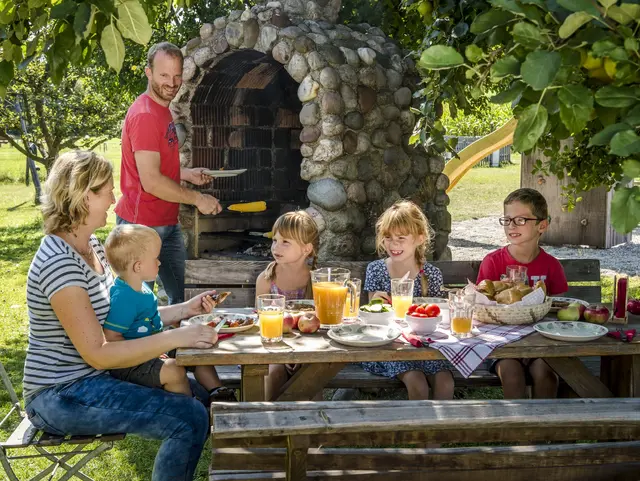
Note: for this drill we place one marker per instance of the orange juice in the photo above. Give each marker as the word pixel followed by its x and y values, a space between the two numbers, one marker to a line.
pixel 329 299
pixel 347 306
pixel 461 325
pixel 271 325
pixel 401 305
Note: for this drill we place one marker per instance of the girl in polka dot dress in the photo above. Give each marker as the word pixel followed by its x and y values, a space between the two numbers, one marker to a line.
pixel 403 235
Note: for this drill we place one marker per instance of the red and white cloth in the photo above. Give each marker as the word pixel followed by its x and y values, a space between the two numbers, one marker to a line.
pixel 467 354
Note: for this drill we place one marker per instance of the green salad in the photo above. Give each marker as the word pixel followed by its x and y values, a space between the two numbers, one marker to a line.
pixel 377 305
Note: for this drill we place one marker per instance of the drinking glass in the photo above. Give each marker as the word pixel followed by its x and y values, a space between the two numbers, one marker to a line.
pixel 350 310
pixel 271 317
pixel 401 296
pixel 330 287
pixel 517 274
pixel 461 312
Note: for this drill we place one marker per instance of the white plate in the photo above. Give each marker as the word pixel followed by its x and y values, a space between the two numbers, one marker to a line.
pixel 229 314
pixel 364 335
pixel 570 300
pixel 224 173
pixel 571 331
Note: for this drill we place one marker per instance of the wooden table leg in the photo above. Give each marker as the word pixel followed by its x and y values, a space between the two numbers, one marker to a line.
pixel 578 377
pixel 297 450
pixel 252 382
pixel 308 381
pixel 621 374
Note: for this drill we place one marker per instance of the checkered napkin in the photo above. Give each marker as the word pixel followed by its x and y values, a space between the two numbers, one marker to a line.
pixel 467 354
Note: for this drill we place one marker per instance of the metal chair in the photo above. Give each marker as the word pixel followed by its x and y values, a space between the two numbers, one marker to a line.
pixel 27 436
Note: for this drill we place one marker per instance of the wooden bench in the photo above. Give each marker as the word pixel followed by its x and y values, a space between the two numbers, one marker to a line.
pixel 239 278
pixel 349 440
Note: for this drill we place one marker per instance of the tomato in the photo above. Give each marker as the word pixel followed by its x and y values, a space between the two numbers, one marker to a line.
pixel 420 310
pixel 421 316
pixel 432 310
pixel 412 308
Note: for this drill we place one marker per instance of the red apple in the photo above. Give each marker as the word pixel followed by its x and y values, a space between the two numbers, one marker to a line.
pixel 296 318
pixel 598 314
pixel 633 306
pixel 308 323
pixel 287 322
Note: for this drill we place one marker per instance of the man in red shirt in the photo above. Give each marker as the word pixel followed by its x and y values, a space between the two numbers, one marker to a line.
pixel 526 218
pixel 151 173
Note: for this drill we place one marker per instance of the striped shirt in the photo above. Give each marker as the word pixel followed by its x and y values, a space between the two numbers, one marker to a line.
pixel 51 356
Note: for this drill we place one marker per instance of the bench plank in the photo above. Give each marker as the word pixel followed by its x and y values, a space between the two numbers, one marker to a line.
pixel 526 416
pixel 408 459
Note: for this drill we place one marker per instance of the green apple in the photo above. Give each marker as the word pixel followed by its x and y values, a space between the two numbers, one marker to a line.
pixel 570 313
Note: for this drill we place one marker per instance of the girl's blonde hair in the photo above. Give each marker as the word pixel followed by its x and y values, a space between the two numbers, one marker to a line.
pixel 404 218
pixel 300 227
pixel 71 178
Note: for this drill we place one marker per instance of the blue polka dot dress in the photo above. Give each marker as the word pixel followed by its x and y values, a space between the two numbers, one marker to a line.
pixel 378 279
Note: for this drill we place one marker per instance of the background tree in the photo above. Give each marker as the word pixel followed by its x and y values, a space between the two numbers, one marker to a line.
pixel 569 69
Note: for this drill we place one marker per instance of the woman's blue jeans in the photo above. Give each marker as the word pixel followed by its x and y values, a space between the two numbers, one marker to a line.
pixel 104 405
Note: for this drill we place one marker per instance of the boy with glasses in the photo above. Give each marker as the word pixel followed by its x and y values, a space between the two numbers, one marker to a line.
pixel 526 218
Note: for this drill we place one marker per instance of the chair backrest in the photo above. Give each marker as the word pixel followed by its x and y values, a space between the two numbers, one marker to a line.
pixel 15 400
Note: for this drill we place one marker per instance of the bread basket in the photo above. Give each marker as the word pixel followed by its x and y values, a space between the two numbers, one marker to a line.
pixel 511 315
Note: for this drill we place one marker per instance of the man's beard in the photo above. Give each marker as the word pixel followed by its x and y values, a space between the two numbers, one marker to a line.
pixel 160 93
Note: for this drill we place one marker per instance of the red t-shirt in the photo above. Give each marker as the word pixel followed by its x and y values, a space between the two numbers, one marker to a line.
pixel 148 126
pixel 545 268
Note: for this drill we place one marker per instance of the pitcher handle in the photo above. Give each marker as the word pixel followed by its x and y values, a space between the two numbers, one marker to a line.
pixel 353 292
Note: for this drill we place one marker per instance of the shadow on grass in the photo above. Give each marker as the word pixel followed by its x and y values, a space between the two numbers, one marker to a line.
pixel 20 243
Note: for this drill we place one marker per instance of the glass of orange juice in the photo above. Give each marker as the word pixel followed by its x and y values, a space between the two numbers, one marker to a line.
pixel 401 296
pixel 271 317
pixel 351 309
pixel 461 313
pixel 330 288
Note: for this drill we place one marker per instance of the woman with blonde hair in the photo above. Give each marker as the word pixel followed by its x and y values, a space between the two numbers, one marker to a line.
pixel 66 388
pixel 403 236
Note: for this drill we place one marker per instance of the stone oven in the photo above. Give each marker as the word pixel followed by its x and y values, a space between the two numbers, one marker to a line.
pixel 319 114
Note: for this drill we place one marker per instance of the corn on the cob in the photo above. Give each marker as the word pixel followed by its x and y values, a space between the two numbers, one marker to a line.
pixel 249 207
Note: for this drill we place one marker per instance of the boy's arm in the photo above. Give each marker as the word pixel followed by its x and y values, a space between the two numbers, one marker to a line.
pixel 110 335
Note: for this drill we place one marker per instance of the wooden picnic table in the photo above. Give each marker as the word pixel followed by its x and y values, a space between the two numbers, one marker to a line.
pixel 323 358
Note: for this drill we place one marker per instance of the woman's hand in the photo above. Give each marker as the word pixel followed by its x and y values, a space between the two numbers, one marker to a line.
pixel 381 295
pixel 200 304
pixel 199 336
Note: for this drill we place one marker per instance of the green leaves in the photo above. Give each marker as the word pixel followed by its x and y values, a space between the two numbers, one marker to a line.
pixel 6 76
pixel 580 5
pixel 81 21
pixel 490 20
pixel 440 57
pixel 531 124
pixel 133 22
pixel 540 68
pixel 509 95
pixel 605 135
pixel 625 13
pixel 576 106
pixel 527 35
pixel 572 23
pixel 631 168
pixel 113 47
pixel 508 65
pixel 625 143
pixel 625 209
pixel 620 97
pixel 473 53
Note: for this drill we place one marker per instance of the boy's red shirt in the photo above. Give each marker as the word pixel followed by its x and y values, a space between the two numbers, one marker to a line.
pixel 544 267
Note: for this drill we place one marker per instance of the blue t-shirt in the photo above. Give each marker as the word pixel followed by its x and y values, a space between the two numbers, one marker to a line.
pixel 133 314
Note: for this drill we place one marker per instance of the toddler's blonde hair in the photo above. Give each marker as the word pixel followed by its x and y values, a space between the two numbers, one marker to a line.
pixel 126 244
pixel 404 218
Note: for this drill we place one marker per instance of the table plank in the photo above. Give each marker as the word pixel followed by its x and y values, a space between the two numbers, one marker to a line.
pixel 246 348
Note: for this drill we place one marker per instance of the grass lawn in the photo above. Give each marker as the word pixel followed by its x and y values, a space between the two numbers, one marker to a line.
pixel 487 186
pixel 20 234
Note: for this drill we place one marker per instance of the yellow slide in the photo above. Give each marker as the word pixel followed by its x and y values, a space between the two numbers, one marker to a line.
pixel 474 153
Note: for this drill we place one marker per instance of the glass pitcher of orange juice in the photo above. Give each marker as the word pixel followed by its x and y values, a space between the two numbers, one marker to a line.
pixel 330 288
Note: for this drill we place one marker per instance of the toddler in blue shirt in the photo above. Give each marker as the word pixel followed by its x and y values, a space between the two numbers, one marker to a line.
pixel 133 250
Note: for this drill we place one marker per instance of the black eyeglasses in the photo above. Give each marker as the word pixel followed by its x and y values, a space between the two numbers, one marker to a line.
pixel 519 221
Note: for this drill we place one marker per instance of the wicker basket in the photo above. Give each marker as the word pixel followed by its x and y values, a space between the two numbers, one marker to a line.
pixel 512 314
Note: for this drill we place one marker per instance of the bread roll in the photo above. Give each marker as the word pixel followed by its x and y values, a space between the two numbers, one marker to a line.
pixel 486 287
pixel 509 296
